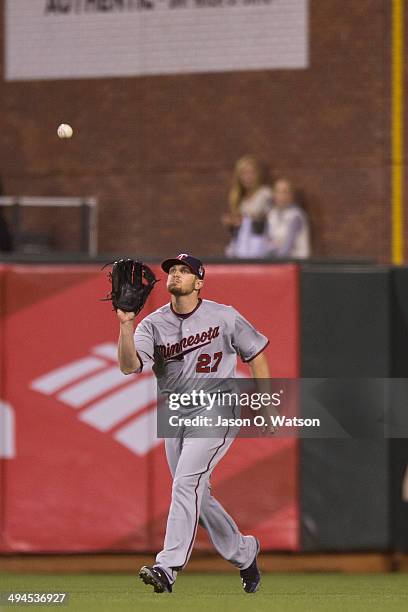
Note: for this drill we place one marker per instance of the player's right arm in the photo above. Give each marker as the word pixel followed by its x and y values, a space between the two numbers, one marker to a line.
pixel 128 359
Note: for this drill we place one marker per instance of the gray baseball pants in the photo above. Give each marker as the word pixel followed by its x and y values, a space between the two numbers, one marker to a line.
pixel 191 461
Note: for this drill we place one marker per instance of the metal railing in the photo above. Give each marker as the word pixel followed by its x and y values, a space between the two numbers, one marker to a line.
pixel 88 216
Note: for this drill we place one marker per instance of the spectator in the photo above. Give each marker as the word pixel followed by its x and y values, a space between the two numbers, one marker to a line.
pixel 250 200
pixel 288 225
pixel 6 243
pixel 5 237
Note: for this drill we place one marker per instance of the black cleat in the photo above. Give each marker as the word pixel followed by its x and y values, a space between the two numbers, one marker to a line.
pixel 157 578
pixel 251 576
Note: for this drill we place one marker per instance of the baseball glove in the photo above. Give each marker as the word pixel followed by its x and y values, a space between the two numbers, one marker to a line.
pixel 132 281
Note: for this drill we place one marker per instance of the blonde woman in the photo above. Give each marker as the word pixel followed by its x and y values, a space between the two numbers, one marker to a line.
pixel 250 200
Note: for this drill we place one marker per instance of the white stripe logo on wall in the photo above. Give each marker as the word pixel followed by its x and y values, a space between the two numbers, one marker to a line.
pixel 103 397
pixel 7 431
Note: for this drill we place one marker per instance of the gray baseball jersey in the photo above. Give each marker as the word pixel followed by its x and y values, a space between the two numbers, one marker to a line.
pixel 201 345
pixel 204 342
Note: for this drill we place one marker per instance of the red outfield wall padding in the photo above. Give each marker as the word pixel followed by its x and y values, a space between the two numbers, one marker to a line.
pixel 5 413
pixel 88 472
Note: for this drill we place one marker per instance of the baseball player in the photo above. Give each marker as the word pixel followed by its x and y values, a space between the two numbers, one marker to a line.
pixel 193 338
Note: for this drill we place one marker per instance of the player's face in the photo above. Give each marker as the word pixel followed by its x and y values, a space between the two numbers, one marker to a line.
pixel 181 280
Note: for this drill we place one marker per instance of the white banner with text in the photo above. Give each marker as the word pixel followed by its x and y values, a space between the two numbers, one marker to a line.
pixel 71 39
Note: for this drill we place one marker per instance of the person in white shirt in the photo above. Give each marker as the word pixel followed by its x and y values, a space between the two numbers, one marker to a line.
pixel 250 200
pixel 287 224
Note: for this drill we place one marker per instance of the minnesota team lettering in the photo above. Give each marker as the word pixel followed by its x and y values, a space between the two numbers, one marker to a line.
pixel 191 343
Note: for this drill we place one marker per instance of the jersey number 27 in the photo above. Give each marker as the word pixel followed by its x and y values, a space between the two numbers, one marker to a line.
pixel 207 363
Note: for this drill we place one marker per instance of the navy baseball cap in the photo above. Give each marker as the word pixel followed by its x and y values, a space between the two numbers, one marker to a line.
pixel 195 265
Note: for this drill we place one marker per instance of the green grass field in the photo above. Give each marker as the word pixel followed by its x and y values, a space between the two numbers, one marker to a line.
pixel 205 592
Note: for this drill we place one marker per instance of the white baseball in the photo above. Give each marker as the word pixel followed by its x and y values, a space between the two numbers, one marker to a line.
pixel 65 130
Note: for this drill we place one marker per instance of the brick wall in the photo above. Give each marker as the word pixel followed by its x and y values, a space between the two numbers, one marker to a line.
pixel 158 151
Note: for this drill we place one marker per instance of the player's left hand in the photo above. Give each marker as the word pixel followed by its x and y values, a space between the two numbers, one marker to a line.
pixel 131 281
